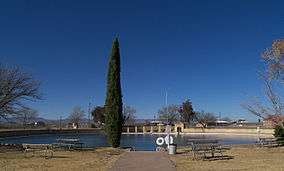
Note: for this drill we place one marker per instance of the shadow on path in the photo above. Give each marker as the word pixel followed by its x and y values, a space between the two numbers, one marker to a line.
pixel 143 161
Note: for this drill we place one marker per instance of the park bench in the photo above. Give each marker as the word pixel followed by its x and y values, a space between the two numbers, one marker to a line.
pixel 45 150
pixel 68 143
pixel 128 148
pixel 270 142
pixel 207 148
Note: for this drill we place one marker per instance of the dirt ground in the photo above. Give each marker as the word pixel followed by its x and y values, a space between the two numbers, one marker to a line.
pixel 100 159
pixel 243 158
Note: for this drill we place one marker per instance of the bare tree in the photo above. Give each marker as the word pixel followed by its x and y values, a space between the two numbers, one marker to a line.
pixel 169 113
pixel 26 116
pixel 255 107
pixel 274 60
pixel 204 118
pixel 16 87
pixel 273 75
pixel 76 115
pixel 128 115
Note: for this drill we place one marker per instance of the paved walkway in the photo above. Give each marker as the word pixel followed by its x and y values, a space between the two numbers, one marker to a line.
pixel 143 161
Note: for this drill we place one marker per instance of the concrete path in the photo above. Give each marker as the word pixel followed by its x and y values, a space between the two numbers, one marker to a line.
pixel 143 161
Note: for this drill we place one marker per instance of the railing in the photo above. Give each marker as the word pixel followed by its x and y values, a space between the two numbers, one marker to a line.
pixel 144 129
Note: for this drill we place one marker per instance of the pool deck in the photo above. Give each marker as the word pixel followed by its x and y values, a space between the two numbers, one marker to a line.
pixel 144 161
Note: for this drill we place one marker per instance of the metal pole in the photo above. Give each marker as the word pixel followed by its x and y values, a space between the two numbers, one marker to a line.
pixel 89 112
pixel 166 101
pixel 60 123
pixel 166 98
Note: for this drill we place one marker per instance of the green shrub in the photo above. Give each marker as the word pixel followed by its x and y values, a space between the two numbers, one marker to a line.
pixel 279 134
pixel 279 131
pixel 113 102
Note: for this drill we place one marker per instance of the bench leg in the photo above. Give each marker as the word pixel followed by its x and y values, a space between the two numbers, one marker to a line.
pixel 204 155
pixel 194 156
pixel 222 154
pixel 48 154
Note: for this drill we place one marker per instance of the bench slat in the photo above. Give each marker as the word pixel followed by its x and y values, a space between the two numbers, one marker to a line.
pixel 205 147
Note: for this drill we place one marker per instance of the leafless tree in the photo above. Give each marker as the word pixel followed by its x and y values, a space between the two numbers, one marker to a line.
pixel 273 75
pixel 274 60
pixel 204 118
pixel 169 113
pixel 26 116
pixel 128 115
pixel 16 87
pixel 255 107
pixel 76 115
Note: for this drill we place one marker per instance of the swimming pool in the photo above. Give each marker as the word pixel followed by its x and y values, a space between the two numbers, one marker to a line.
pixel 143 142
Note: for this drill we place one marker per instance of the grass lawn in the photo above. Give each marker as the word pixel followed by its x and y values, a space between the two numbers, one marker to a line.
pixel 99 159
pixel 244 158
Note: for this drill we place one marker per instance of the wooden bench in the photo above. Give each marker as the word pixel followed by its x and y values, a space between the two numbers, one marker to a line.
pixel 270 142
pixel 45 150
pixel 207 148
pixel 68 143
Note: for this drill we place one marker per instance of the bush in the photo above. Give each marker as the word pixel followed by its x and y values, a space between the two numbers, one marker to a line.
pixel 279 131
pixel 279 134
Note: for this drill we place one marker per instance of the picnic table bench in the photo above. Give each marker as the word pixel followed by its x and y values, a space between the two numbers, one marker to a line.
pixel 207 148
pixel 270 142
pixel 45 150
pixel 68 143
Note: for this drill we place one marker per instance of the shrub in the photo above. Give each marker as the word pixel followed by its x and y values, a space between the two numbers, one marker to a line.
pixel 278 131
pixel 279 134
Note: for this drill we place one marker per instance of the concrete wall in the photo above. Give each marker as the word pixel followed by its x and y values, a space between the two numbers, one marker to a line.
pixel 229 130
pixel 21 132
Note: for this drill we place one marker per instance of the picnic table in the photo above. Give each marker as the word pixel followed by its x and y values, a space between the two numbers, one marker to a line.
pixel 207 148
pixel 68 143
pixel 45 150
pixel 270 142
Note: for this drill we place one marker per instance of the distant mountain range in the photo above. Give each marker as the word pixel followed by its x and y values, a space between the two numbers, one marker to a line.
pixel 16 120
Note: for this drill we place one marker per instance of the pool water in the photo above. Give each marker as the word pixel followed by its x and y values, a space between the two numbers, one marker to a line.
pixel 145 142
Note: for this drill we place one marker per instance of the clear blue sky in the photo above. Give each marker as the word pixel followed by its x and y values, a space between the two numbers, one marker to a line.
pixel 207 51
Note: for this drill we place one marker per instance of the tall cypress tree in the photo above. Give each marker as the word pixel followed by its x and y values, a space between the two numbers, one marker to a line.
pixel 113 103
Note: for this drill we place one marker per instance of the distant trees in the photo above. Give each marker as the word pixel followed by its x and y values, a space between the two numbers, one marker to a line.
pixel 186 112
pixel 26 116
pixel 173 113
pixel 76 115
pixel 204 118
pixel 16 87
pixel 129 115
pixel 169 113
pixel 113 103
pixel 99 115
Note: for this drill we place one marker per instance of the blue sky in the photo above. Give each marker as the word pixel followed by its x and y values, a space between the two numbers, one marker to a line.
pixel 208 51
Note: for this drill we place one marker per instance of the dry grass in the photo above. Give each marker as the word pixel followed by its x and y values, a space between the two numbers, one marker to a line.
pixel 244 158
pixel 100 159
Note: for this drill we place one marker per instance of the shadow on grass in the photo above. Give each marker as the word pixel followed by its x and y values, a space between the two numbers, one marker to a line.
pixel 184 152
pixel 59 157
pixel 207 158
pixel 225 157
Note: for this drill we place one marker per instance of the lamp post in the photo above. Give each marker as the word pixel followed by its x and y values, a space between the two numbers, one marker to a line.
pixel 89 113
